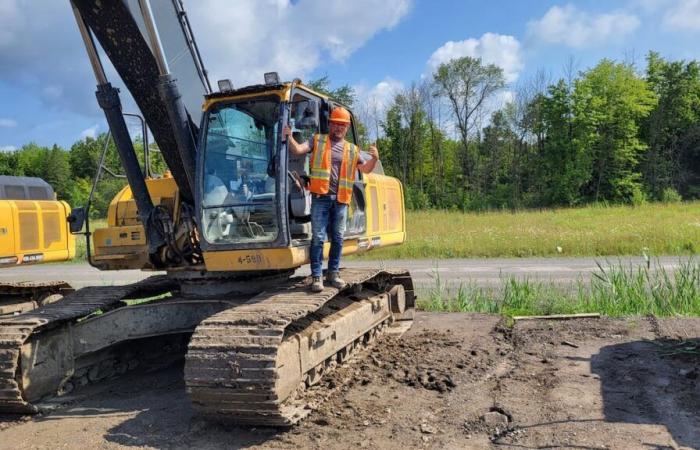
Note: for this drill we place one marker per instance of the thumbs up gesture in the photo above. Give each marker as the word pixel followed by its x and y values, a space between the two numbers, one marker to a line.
pixel 373 151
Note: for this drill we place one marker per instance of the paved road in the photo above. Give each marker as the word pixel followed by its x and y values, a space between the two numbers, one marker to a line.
pixel 451 272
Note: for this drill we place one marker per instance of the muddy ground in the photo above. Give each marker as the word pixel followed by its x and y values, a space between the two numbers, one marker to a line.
pixel 453 381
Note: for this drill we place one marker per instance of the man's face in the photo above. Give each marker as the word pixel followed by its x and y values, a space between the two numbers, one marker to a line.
pixel 339 130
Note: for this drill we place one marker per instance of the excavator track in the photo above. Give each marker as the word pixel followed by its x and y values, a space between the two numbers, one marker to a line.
pixel 245 364
pixel 15 331
pixel 23 296
pixel 249 356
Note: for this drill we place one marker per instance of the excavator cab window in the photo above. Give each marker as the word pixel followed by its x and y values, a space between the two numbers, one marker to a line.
pixel 304 121
pixel 238 196
pixel 356 220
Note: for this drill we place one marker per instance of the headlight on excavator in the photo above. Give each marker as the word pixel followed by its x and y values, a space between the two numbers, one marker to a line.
pixel 225 85
pixel 272 78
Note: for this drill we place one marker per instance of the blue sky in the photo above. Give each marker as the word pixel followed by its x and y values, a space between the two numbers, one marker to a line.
pixel 379 47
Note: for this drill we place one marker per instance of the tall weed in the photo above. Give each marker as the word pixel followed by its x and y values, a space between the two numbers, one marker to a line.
pixel 616 290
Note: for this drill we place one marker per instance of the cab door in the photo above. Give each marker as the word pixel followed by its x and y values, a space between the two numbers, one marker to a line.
pixel 357 212
pixel 304 121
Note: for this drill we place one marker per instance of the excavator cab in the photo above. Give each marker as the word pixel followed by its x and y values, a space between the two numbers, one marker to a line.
pixel 242 138
pixel 237 201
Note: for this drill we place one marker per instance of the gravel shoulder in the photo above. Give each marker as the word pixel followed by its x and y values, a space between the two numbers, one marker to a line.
pixel 453 381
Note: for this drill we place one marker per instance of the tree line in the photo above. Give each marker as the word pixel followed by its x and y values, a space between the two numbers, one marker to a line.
pixel 607 134
pixel 611 133
pixel 71 172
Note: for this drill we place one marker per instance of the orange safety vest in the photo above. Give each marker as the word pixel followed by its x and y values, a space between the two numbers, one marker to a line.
pixel 321 168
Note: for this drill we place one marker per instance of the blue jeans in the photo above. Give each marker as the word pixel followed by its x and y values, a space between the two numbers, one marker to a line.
pixel 327 217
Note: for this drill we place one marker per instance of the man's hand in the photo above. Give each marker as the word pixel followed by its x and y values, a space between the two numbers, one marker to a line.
pixel 286 132
pixel 295 148
pixel 368 166
pixel 373 152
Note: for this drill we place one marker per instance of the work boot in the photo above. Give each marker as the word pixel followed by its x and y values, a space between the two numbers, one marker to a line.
pixel 335 280
pixel 316 284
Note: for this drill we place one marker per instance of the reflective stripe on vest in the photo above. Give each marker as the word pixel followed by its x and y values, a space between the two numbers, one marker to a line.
pixel 320 168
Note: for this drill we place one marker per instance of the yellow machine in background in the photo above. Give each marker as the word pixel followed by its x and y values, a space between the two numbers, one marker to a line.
pixel 122 245
pixel 33 226
pixel 33 229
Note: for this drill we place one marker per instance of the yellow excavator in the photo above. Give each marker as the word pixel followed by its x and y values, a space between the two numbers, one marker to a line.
pixel 229 224
pixel 33 230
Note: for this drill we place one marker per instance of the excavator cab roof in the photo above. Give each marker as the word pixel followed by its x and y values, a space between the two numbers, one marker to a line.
pixel 281 89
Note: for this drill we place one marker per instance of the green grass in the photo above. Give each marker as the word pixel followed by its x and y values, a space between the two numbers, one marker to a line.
pixel 80 246
pixel 658 229
pixel 616 291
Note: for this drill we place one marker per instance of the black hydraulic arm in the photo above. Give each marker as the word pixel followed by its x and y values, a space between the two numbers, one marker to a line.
pixel 114 26
pixel 170 94
pixel 108 99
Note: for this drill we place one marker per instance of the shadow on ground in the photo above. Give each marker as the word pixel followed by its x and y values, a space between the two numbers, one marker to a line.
pixel 652 382
pixel 149 429
pixel 152 410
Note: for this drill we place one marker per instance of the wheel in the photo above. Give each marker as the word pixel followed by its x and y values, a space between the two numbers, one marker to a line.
pixel 397 299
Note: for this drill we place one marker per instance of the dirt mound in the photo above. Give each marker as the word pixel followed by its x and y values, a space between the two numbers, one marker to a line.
pixel 430 360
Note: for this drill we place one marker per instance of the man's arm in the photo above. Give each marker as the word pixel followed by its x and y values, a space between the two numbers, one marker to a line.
pixel 295 148
pixel 368 166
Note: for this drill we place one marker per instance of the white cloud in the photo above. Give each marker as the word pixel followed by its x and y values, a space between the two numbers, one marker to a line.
pixel 498 49
pixel 576 28
pixel 371 103
pixel 90 132
pixel 239 42
pixel 9 13
pixel 380 95
pixel 7 148
pixel 7 123
pixel 259 36
pixel 505 96
pixel 684 15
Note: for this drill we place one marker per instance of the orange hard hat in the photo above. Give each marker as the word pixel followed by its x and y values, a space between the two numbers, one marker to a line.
pixel 340 115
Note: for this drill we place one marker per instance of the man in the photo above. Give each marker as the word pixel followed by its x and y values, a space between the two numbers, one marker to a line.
pixel 334 162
